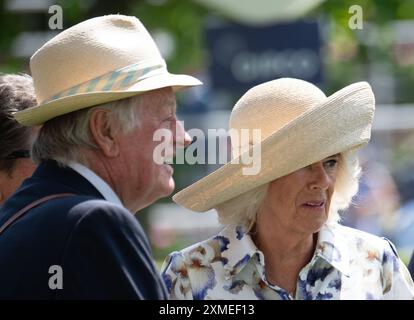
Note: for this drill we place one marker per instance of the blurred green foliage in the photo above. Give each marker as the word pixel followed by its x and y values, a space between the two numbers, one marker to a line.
pixel 346 55
pixel 184 19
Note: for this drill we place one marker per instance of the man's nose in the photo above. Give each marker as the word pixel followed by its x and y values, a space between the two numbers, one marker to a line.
pixel 182 138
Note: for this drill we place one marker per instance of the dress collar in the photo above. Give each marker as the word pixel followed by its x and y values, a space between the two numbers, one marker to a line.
pixel 332 247
pixel 239 249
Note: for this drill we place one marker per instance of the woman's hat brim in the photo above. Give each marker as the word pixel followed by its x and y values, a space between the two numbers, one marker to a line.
pixel 342 122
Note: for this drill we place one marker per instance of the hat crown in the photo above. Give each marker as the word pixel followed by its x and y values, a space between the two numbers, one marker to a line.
pixel 97 61
pixel 90 49
pixel 269 107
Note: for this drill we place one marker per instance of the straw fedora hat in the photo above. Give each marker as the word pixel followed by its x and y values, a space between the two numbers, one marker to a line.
pixel 96 61
pixel 299 126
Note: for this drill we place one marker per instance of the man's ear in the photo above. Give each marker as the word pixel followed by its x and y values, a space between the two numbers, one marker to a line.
pixel 104 133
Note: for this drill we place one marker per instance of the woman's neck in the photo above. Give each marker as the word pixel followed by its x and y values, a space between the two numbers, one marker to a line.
pixel 285 252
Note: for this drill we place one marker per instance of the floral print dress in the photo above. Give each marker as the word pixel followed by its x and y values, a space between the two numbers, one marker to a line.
pixel 347 264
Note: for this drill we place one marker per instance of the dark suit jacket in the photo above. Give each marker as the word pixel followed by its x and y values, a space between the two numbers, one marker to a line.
pixel 100 246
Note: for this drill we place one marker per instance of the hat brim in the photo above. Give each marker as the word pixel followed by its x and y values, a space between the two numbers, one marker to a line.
pixel 341 123
pixel 40 114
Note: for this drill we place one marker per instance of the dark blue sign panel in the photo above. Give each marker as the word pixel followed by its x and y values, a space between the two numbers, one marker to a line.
pixel 243 56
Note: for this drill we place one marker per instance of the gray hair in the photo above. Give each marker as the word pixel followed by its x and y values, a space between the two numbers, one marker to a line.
pixel 16 94
pixel 243 209
pixel 63 138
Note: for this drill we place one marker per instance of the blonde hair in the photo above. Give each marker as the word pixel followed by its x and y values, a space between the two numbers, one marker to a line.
pixel 242 210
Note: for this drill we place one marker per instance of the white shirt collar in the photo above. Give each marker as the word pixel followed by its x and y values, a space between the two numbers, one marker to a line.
pixel 97 182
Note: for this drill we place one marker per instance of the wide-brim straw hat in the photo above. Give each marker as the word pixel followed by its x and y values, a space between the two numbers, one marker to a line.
pixel 299 126
pixel 96 61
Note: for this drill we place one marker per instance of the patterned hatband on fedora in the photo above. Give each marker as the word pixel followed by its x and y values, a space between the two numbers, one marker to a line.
pixel 97 61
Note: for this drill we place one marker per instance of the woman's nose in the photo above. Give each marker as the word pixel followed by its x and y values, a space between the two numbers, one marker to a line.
pixel 320 179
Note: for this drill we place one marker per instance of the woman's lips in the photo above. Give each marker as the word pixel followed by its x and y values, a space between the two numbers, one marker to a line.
pixel 315 205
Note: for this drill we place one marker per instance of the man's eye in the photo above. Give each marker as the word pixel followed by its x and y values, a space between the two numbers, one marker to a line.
pixel 169 122
pixel 170 118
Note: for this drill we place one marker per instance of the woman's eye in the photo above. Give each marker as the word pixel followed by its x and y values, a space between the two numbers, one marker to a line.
pixel 331 163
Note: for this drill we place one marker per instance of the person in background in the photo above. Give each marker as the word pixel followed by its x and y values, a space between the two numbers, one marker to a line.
pixel 377 201
pixel 69 231
pixel 16 94
pixel 282 238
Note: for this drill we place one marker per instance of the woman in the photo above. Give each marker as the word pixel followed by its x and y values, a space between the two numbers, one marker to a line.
pixel 16 94
pixel 283 239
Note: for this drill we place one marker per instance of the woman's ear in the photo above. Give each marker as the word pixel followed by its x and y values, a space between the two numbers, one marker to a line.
pixel 104 132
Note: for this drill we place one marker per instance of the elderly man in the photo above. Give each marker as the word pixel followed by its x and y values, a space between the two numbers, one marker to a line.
pixel 16 94
pixel 68 233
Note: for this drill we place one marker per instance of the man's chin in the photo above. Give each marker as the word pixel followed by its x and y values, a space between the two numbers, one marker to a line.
pixel 167 188
pixel 171 187
pixel 163 191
